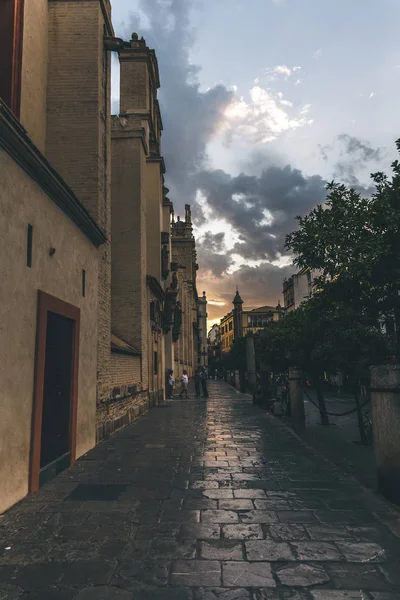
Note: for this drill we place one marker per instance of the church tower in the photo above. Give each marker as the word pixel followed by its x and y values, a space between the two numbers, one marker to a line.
pixel 237 316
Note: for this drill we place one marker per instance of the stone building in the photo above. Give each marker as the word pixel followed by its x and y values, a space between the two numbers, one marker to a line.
pixel 185 330
pixel 203 342
pixel 238 323
pixel 298 288
pixel 90 314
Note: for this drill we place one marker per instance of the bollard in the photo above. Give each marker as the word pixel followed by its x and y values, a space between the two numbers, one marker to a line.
pixel 385 409
pixel 296 400
pixel 251 363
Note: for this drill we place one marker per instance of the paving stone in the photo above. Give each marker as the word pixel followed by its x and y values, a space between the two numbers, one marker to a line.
pixel 258 516
pixel 273 501
pixel 302 575
pixel 284 532
pixel 235 504
pixel 245 574
pixel 200 532
pixel 384 596
pixel 362 552
pixel 392 572
pixel 316 551
pixel 243 532
pixel 268 550
pixel 296 516
pixel 328 532
pixel 104 593
pixel 221 594
pixel 196 573
pixel 218 494
pixel 271 504
pixel 219 516
pixel 202 485
pixel 337 595
pixel 221 550
pixel 200 504
pixel 284 594
pixel 161 593
pixel 10 592
pixel 357 577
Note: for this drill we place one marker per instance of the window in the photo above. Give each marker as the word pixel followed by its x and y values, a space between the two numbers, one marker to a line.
pixel 11 28
pixel 155 363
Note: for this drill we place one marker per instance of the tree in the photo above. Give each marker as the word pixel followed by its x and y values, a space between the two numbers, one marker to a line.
pixel 355 242
pixel 325 334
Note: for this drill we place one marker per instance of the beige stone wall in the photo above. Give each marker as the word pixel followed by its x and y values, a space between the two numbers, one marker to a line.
pixel 78 140
pixel 130 310
pixel 23 202
pixel 34 71
pixel 153 186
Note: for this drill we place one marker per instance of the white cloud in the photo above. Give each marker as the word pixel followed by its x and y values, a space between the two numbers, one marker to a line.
pixel 283 70
pixel 372 94
pixel 317 54
pixel 265 117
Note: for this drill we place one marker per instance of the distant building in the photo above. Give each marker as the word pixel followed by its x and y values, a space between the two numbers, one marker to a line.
pixel 239 322
pixel 202 335
pixel 298 288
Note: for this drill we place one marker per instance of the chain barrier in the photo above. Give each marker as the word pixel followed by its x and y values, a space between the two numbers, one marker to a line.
pixel 330 414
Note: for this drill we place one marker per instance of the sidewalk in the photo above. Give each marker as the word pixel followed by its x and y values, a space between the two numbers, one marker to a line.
pixel 201 500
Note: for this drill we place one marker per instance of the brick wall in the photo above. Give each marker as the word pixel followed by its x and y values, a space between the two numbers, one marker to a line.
pixel 78 133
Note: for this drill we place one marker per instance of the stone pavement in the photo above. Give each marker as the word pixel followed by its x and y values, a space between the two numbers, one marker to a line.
pixel 201 500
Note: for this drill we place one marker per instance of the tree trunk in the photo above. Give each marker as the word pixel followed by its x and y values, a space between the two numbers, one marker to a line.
pixel 363 437
pixel 321 401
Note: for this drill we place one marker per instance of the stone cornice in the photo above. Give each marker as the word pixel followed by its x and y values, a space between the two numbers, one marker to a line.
pixel 155 287
pixel 105 9
pixel 16 142
pixel 157 159
pixel 121 132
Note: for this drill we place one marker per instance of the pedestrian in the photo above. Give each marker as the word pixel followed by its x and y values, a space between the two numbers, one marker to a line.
pixel 215 374
pixel 197 382
pixel 184 382
pixel 170 384
pixel 203 378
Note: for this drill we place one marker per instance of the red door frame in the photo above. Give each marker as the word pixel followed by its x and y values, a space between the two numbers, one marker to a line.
pixel 47 303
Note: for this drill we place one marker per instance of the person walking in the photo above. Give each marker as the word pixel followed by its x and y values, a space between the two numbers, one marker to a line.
pixel 170 384
pixel 197 382
pixel 184 382
pixel 203 378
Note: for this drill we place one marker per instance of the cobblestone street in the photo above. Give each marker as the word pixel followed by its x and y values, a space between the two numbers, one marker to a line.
pixel 200 500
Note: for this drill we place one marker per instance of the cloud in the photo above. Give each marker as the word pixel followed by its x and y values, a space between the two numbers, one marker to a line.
pixel 353 155
pixel 258 286
pixel 261 209
pixel 318 54
pixel 265 117
pixel 191 117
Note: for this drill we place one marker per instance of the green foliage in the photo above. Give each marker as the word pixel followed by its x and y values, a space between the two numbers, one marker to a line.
pixel 356 241
pixel 324 334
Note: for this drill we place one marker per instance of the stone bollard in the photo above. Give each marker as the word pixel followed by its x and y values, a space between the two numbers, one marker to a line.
pixel 385 409
pixel 296 400
pixel 251 363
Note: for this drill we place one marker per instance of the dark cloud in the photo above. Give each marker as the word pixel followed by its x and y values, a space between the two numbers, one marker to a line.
pixel 190 116
pixel 262 209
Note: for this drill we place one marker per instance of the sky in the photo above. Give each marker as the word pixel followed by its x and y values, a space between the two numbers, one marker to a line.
pixel 263 102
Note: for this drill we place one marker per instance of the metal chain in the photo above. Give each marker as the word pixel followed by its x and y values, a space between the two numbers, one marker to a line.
pixel 330 414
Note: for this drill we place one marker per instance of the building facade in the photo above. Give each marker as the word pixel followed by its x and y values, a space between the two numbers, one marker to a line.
pixel 101 296
pixel 238 323
pixel 298 288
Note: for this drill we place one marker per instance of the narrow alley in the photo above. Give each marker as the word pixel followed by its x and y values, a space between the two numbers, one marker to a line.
pixel 201 499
